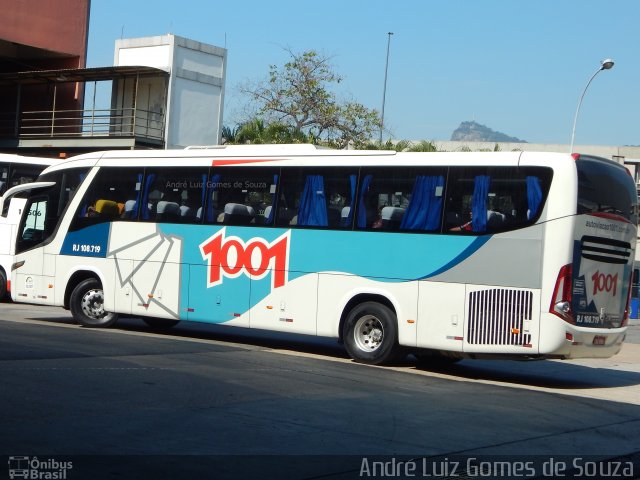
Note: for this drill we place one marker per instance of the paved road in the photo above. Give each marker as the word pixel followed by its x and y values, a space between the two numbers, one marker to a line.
pixel 211 391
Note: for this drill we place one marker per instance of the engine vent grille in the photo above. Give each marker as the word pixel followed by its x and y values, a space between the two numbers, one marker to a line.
pixel 496 317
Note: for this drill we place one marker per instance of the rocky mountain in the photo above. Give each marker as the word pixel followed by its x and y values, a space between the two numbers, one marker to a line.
pixel 475 132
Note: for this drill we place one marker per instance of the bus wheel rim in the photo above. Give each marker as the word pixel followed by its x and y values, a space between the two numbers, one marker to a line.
pixel 93 304
pixel 368 333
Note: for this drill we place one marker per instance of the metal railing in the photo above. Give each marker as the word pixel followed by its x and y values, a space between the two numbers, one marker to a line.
pixel 122 122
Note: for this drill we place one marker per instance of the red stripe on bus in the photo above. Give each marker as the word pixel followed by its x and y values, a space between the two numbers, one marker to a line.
pixel 8 285
pixel 220 163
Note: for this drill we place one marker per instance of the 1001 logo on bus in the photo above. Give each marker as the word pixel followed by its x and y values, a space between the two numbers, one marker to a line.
pixel 604 283
pixel 231 257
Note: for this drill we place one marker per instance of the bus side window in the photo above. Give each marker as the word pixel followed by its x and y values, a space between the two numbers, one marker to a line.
pixel 112 196
pixel 317 197
pixel 242 196
pixel 4 178
pixel 408 199
pixel 493 199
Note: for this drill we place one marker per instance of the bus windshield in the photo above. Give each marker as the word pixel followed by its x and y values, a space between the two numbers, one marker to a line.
pixel 46 206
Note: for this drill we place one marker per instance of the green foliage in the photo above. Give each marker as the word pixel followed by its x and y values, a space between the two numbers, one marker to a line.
pixel 423 146
pixel 298 98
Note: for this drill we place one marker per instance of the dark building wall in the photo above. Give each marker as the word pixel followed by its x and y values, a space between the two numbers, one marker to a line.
pixel 41 35
pixel 59 26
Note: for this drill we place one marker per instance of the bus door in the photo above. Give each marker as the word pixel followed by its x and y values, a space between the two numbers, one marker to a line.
pixel 28 283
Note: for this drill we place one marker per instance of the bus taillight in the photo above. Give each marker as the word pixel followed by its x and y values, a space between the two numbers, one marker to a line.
pixel 561 299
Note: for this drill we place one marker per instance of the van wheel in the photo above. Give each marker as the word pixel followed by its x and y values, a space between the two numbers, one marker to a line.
pixel 371 334
pixel 160 323
pixel 87 305
pixel 3 285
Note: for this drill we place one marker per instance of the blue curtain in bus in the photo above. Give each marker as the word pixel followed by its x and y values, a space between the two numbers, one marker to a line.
pixel 423 212
pixel 348 220
pixel 211 187
pixel 274 202
pixel 146 211
pixel 479 203
pixel 534 196
pixel 313 203
pixel 362 208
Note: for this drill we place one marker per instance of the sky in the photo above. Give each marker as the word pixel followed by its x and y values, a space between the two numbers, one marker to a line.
pixel 518 67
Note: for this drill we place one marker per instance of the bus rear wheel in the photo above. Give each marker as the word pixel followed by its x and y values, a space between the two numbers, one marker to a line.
pixel 3 285
pixel 370 334
pixel 87 305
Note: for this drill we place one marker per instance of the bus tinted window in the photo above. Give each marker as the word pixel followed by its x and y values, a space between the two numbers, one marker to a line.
pixel 4 178
pixel 602 189
pixel 172 195
pixel 113 195
pixel 23 173
pixel 485 200
pixel 406 199
pixel 317 197
pixel 241 196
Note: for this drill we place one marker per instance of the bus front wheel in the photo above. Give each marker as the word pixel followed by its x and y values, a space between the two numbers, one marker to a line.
pixel 87 305
pixel 370 334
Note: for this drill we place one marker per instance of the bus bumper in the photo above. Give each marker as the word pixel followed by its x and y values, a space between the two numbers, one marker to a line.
pixel 568 341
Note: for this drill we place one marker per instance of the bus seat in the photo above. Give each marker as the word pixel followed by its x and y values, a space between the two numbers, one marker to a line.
pixel 107 208
pixel 167 211
pixel 185 211
pixel 238 214
pixel 129 205
pixel 391 217
pixel 344 216
pixel 267 213
pixel 495 219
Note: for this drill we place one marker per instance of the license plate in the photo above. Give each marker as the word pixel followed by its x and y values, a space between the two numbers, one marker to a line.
pixel 599 340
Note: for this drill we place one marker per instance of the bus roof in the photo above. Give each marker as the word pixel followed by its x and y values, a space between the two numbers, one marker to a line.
pixel 11 158
pixel 301 155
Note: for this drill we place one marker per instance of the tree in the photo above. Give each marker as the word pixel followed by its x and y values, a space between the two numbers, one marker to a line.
pixel 299 97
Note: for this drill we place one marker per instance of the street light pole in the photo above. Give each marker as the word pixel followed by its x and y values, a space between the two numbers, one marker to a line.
pixel 384 90
pixel 606 64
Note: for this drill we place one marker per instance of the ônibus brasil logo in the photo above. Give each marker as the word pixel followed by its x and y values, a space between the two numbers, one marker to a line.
pixel 231 257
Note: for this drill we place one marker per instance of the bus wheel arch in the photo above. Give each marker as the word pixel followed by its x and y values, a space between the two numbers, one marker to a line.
pixel 369 330
pixel 86 302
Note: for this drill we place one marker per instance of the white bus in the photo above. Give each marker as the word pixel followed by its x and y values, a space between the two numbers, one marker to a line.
pixel 14 170
pixel 447 255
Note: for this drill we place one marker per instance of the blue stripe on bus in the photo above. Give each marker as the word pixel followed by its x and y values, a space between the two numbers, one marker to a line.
pixel 87 242
pixel 382 256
